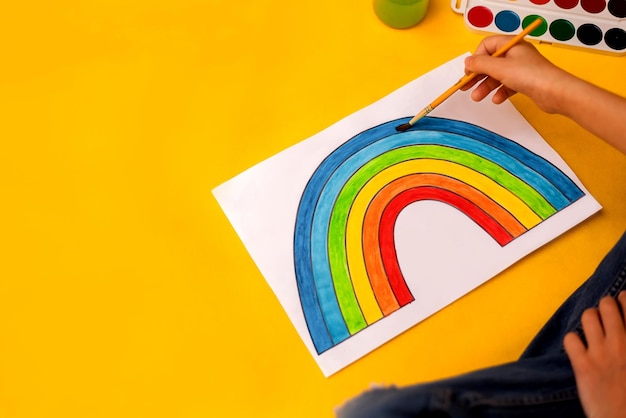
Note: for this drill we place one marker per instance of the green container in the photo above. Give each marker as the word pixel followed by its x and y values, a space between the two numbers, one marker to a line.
pixel 400 14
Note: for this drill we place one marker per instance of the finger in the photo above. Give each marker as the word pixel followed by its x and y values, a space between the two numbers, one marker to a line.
pixel 592 327
pixel 502 95
pixel 611 317
pixel 485 88
pixel 622 301
pixel 491 44
pixel 577 353
pixel 497 68
pixel 574 347
pixel 467 62
pixel 473 82
pixel 477 78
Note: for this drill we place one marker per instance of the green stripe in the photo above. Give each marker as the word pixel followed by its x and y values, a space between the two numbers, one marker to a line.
pixel 339 217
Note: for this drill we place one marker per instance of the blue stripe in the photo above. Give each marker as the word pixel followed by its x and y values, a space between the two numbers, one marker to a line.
pixel 307 285
pixel 315 284
pixel 539 164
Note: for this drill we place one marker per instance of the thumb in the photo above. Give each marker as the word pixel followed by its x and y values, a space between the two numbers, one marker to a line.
pixel 486 64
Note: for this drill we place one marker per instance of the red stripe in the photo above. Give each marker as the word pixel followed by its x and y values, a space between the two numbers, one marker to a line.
pixel 402 200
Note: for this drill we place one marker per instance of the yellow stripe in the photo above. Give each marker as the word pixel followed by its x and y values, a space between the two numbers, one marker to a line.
pixel 354 227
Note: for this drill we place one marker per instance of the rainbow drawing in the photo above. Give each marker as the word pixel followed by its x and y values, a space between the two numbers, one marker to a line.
pixel 346 267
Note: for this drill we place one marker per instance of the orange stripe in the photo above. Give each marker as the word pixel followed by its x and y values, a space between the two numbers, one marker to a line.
pixel 371 225
pixel 497 212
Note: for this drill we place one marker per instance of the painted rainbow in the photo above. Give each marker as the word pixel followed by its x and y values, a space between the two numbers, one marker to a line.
pixel 346 266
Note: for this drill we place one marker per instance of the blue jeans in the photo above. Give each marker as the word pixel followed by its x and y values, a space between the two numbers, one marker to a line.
pixel 540 384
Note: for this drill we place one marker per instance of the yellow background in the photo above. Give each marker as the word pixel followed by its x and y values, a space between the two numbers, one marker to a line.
pixel 124 291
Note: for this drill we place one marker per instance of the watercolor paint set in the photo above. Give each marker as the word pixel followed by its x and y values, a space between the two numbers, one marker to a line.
pixel 597 25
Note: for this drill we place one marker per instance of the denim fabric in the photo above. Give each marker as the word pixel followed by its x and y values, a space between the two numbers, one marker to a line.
pixel 540 384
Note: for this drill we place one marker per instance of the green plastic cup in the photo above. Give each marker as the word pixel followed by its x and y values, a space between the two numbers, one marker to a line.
pixel 400 14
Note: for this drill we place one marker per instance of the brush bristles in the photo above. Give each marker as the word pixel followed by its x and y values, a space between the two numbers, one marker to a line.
pixel 404 127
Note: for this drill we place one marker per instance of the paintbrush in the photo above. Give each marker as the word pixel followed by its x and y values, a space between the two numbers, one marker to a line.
pixel 469 77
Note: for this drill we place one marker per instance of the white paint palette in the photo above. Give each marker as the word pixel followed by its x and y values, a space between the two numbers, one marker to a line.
pixel 598 25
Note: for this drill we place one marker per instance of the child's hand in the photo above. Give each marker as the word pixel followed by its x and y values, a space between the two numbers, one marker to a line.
pixel 521 69
pixel 600 368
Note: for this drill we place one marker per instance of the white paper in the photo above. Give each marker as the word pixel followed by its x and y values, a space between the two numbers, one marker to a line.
pixel 442 253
